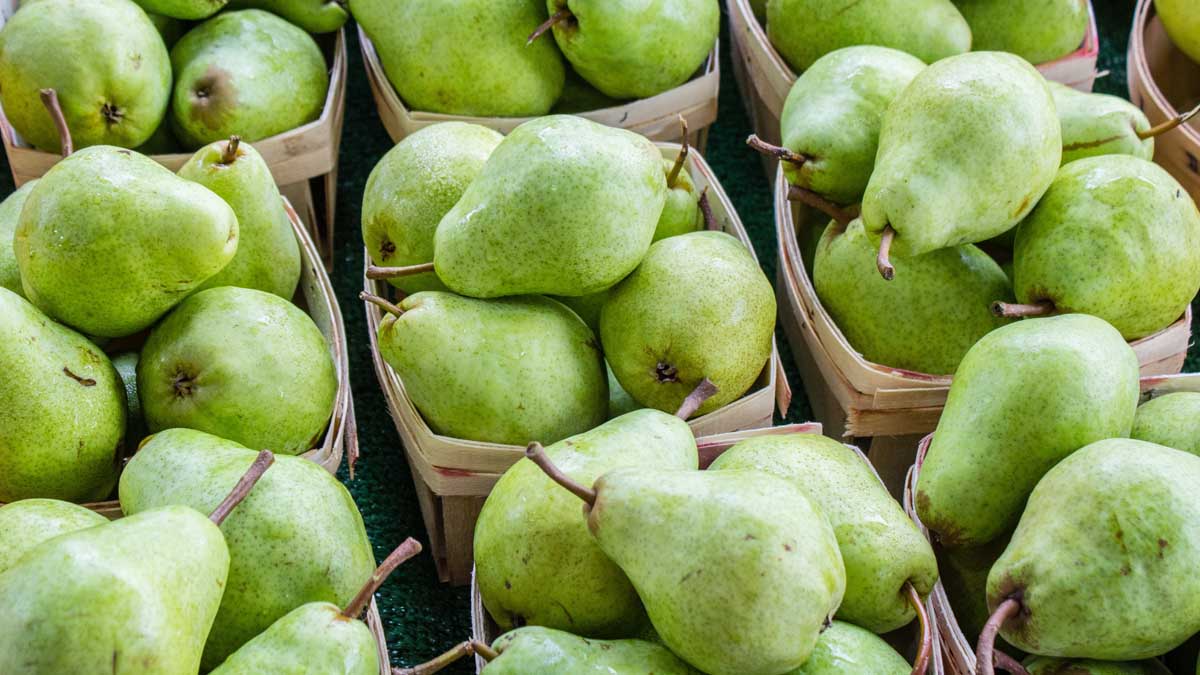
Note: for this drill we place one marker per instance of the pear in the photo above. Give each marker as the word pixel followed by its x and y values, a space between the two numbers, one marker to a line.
pixel 536 563
pixel 1116 237
pixel 1182 23
pixel 594 192
pixel 10 214
pixel 433 55
pixel 1025 396
pixel 135 423
pixel 268 256
pixel 587 307
pixel 319 637
pixel 681 211
pixel 1172 420
pixel 1036 30
pixel 411 189
pixel 162 141
pixel 630 48
pixel 243 364
pixel 171 29
pixel 1100 124
pixel 740 550
pixel 889 564
pixel 926 319
pixel 546 372
pixel 137 595
pixel 534 650
pixel 1102 563
pixel 963 573
pixel 619 400
pixel 697 307
pixel 25 524
pixel 1044 665
pixel 248 73
pixel 297 539
pixel 104 58
pixel 805 30
pixel 140 240
pixel 314 16
pixel 579 96
pixel 846 649
pixel 190 10
pixel 964 153
pixel 832 116
pixel 62 411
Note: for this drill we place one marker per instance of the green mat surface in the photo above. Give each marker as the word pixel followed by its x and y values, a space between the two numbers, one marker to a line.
pixel 422 616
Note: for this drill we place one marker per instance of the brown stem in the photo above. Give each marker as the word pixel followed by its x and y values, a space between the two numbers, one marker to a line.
pixel 537 454
pixel 407 549
pixel 1006 662
pixel 1170 124
pixel 1016 310
pixel 243 487
pixel 673 175
pixel 883 260
pixel 377 272
pixel 703 391
pixel 50 100
pixel 230 153
pixel 776 151
pixel 984 652
pixel 921 663
pixel 843 215
pixel 710 221
pixel 485 652
pixel 429 667
pixel 558 17
pixel 380 302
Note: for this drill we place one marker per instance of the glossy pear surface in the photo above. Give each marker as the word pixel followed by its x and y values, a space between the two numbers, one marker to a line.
pixel 26 523
pixel 1036 30
pixel 1182 22
pixel 1099 124
pixel 10 214
pixel 1044 665
pixel 534 650
pixel 314 16
pixel 190 10
pixel 681 212
pixel 1172 420
pixel 846 649
pixel 313 638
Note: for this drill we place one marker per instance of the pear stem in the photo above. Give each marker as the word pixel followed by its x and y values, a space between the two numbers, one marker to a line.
pixel 376 272
pixel 558 17
pixel 1160 129
pixel 380 302
pixel 537 454
pixel 710 221
pixel 246 483
pixel 778 152
pixel 1006 662
pixel 703 391
pixel 1016 310
pixel 485 652
pixel 843 215
pixel 681 157
pixel 883 260
pixel 921 663
pixel 229 154
pixel 984 652
pixel 438 663
pixel 407 549
pixel 50 100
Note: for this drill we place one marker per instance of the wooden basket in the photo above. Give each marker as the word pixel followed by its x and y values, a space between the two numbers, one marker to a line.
pixel 297 158
pixel 485 630
pixel 765 78
pixel 453 476
pixel 855 398
pixel 656 118
pixel 1162 82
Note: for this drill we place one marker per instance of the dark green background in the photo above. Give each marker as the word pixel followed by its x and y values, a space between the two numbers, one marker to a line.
pixel 424 617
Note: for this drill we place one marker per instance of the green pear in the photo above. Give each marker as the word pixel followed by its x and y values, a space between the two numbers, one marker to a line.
pixel 1025 396
pixel 243 364
pixel 141 239
pixel 534 650
pixel 171 29
pixel 248 73
pixel 697 307
pixel 924 320
pixel 595 193
pixel 579 96
pixel 10 214
pixel 963 572
pixel 25 524
pixel 535 562
pixel 62 411
pixel 1115 237
pixel 964 153
pixel 1044 665
pixel 832 116
pixel 1102 564
pixel 545 372
pixel 846 649
pixel 189 10
pixel 587 307
pixel 411 189
pixel 314 16
pixel 632 48
pixel 681 211
pixel 883 552
pixel 162 141
pixel 1100 124
pixel 137 595
pixel 1182 22
pixel 297 538
pixel 103 57
pixel 1036 30
pixel 432 55
pixel 619 400
pixel 268 255
pixel 1172 420
pixel 805 30
pixel 135 423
